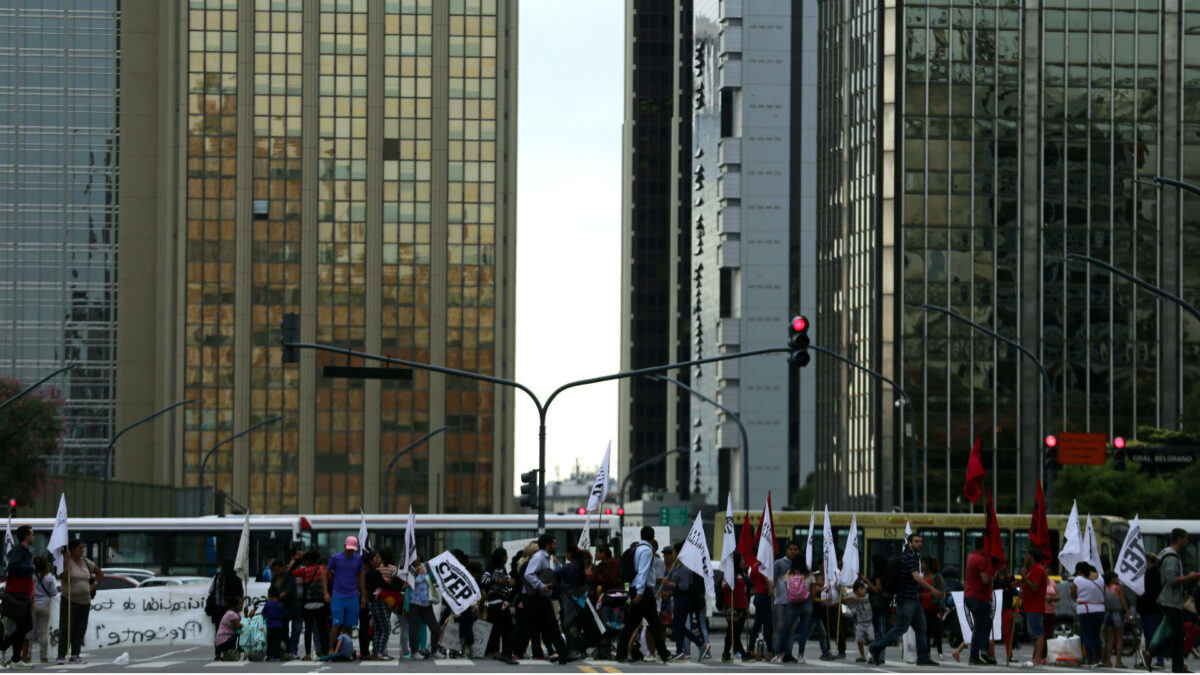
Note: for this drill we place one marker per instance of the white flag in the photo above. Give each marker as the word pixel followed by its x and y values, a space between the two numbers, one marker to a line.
pixel 1072 552
pixel 600 486
pixel 362 533
pixel 585 538
pixel 850 554
pixel 728 545
pixel 1131 563
pixel 459 589
pixel 766 542
pixel 241 563
pixel 907 530
pixel 694 555
pixel 1092 550
pixel 829 553
pixel 967 622
pixel 58 537
pixel 410 545
pixel 812 524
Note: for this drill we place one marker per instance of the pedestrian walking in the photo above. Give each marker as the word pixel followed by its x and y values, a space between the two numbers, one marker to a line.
pixel 908 606
pixel 345 588
pixel 497 586
pixel 1147 602
pixel 931 570
pixel 1171 599
pixel 538 614
pixel 18 601
pixel 1087 590
pixel 642 605
pixel 80 579
pixel 420 610
pixel 680 586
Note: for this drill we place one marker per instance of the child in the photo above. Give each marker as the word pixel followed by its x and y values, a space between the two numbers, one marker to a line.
pixel 227 630
pixel 344 651
pixel 864 628
pixel 273 614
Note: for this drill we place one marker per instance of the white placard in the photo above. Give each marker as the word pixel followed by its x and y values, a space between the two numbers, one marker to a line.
pixel 965 622
pixel 482 630
pixel 662 534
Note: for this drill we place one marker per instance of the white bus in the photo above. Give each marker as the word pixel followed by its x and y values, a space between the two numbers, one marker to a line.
pixel 1156 535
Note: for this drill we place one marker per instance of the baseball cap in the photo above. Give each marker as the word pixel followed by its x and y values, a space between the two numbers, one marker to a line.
pixel 352 543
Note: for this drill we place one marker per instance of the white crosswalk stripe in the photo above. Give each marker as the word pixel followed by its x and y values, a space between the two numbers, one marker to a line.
pixel 226 664
pixel 74 666
pixel 155 664
pixel 453 662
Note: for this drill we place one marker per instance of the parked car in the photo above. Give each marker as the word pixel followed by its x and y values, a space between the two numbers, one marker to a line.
pixel 116 582
pixel 132 572
pixel 172 581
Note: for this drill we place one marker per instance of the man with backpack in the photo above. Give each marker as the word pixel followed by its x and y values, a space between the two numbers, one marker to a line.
pixel 681 585
pixel 1147 602
pixel 637 564
pixel 782 566
pixel 908 605
pixel 1171 599
pixel 538 618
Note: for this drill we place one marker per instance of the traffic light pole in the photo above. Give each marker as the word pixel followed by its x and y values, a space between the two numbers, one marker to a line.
pixel 741 428
pixel 629 474
pixel 542 408
pixel 907 402
pixel 1046 413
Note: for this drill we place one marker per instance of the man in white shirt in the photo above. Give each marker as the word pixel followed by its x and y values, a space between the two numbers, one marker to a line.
pixel 537 615
pixel 642 605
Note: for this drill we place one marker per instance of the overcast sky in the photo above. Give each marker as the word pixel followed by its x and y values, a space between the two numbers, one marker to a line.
pixel 569 113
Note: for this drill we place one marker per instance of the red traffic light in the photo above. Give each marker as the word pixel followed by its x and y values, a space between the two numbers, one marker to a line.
pixel 581 511
pixel 799 324
pixel 608 511
pixel 620 510
pixel 12 503
pixel 1119 443
pixel 1051 441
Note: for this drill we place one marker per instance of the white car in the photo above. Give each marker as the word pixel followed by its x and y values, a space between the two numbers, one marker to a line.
pixel 131 572
pixel 172 581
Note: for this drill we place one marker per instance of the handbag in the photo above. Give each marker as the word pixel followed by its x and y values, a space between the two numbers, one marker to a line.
pixel 14 605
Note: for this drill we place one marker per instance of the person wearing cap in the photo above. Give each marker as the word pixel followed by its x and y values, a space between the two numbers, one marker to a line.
pixel 346 593
pixel 1033 602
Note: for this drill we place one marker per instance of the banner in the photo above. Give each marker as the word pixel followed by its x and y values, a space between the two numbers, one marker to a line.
pixel 968 624
pixel 850 554
pixel 973 487
pixel 631 534
pixel 585 537
pixel 993 546
pixel 829 553
pixel 694 555
pixel 1131 562
pixel 728 546
pixel 58 537
pixel 481 632
pixel 9 542
pixel 766 542
pixel 459 590
pixel 410 545
pixel 600 487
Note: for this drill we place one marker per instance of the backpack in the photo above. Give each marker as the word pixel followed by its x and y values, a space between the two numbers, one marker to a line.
pixel 214 603
pixel 797 588
pixel 628 571
pixel 893 575
pixel 314 593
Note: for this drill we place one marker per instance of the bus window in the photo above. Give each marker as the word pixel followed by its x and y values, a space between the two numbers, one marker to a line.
pixel 199 554
pixel 135 549
pixel 944 544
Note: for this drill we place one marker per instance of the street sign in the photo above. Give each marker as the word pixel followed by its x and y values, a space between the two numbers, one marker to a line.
pixel 1157 457
pixel 1082 448
pixel 672 516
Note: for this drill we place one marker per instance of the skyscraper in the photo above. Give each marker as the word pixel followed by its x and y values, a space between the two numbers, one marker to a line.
pixel 352 161
pixel 965 151
pixel 58 192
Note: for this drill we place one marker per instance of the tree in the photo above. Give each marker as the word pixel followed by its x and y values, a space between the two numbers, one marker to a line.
pixel 803 498
pixel 31 429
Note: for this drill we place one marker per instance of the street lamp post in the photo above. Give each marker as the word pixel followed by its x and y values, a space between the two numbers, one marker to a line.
pixel 387 476
pixel 37 384
pixel 1139 282
pixel 109 450
pixel 1046 414
pixel 635 469
pixel 239 434
pixel 741 428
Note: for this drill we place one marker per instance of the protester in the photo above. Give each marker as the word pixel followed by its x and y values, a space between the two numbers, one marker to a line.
pixel 680 586
pixel 45 587
pixel 19 585
pixel 516 644
pixel 381 619
pixel 497 587
pixel 881 602
pixel 421 611
pixel 782 568
pixel 225 643
pixel 977 596
pixel 80 579
pixel 864 628
pixel 273 616
pixel 931 570
pixel 296 617
pixel 832 596
pixel 642 606
pixel 1171 599
pixel 538 613
pixel 1116 609
pixel 1005 583
pixel 344 647
pixel 225 584
pixel 819 593
pixel 796 622
pixel 1147 603
pixel 347 592
pixel 737 602
pixel 1088 593
pixel 762 599
pixel 1051 613
pixel 908 607
pixel 284 584
pixel 1033 602
pixel 314 610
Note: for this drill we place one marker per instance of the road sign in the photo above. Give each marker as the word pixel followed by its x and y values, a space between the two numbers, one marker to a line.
pixel 1155 458
pixel 672 516
pixel 1082 448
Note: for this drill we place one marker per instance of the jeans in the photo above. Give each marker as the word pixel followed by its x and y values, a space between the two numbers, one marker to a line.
pixel 645 609
pixel 296 627
pixel 981 620
pixel 698 619
pixel 1150 627
pixel 816 625
pixel 1089 627
pixel 794 627
pixel 908 613
pixel 418 614
pixel 762 621
pixel 683 611
pixel 16 639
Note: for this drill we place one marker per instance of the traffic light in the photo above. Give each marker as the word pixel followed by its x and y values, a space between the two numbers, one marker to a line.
pixel 581 511
pixel 529 489
pixel 1051 452
pixel 1119 453
pixel 798 342
pixel 290 333
pixel 608 511
pixel 12 508
pixel 620 510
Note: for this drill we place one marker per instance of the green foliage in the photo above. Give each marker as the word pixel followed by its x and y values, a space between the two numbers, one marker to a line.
pixel 31 429
pixel 1153 436
pixel 803 498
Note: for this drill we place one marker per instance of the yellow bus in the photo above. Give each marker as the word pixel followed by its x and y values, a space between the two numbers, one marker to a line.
pixel 948 537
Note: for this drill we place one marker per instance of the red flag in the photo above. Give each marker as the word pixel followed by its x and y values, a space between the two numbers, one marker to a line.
pixel 1039 528
pixel 973 488
pixel 746 543
pixel 993 546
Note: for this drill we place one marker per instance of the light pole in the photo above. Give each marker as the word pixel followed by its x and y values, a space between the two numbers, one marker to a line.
pixel 387 476
pixel 1046 414
pixel 239 434
pixel 1125 275
pixel 741 428
pixel 1161 181
pixel 109 450
pixel 629 474
pixel 37 384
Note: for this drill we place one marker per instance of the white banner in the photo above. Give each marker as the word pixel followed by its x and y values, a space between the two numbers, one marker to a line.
pixel 1092 547
pixel 1131 563
pixel 694 555
pixel 629 535
pixel 9 542
pixel 600 487
pixel 362 533
pixel 241 562
pixel 459 589
pixel 728 545
pixel 812 525
pixel 766 542
pixel 829 553
pixel 58 537
pixel 410 545
pixel 585 537
pixel 1072 552
pixel 967 623
pixel 850 555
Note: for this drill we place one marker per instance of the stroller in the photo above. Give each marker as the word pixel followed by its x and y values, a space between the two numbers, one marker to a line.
pixel 253 638
pixel 581 626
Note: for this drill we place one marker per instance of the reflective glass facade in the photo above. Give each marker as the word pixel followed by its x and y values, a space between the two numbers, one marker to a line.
pixel 58 245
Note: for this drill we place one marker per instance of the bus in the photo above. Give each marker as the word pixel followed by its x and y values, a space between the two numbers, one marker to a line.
pixel 196 546
pixel 948 537
pixel 1156 535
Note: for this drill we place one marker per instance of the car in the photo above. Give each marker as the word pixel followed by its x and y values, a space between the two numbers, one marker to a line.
pixel 116 582
pixel 172 581
pixel 132 572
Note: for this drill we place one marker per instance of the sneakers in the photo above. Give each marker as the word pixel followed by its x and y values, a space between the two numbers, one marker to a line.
pixel 987 658
pixel 1028 664
pixel 928 664
pixel 20 665
pixel 705 653
pixel 1148 661
pixel 777 659
pixel 77 660
pixel 678 657
pixel 876 659
pixel 828 657
pixel 861 659
pixel 506 658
